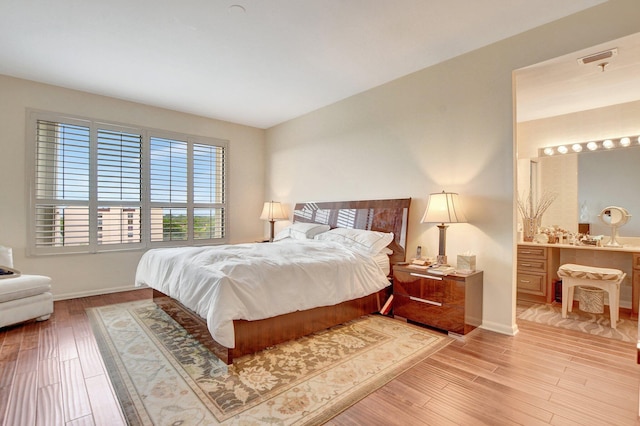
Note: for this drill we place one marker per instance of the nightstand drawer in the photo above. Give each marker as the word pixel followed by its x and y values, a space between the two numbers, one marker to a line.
pixel 426 287
pixel 532 252
pixel 533 284
pixel 533 265
pixel 445 317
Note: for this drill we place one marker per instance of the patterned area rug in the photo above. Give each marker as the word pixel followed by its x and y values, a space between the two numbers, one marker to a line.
pixel 596 324
pixel 163 376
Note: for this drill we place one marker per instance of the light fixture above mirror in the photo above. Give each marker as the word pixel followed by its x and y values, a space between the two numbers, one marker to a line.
pixel 606 144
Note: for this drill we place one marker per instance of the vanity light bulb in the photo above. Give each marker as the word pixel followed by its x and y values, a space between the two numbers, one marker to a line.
pixel 562 149
pixel 549 151
pixel 625 142
pixel 592 146
pixel 576 147
pixel 607 144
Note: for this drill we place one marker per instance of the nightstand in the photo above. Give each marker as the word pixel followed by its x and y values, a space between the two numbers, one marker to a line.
pixel 448 302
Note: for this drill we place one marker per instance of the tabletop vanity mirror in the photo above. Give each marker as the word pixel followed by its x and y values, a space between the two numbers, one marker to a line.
pixel 614 217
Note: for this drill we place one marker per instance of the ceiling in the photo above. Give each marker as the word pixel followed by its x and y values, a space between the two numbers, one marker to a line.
pixel 252 62
pixel 563 85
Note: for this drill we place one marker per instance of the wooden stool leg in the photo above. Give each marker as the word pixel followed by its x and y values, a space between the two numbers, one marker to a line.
pixel 614 305
pixel 572 289
pixel 565 298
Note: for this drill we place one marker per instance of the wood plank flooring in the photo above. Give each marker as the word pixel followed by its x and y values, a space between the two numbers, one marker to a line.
pixel 51 373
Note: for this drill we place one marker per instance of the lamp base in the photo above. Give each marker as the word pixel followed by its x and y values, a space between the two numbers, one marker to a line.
pixel 271 227
pixel 442 258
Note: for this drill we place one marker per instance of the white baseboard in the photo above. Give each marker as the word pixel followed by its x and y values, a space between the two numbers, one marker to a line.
pixel 500 328
pixel 75 295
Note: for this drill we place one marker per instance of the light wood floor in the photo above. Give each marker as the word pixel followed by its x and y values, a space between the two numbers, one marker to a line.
pixel 51 373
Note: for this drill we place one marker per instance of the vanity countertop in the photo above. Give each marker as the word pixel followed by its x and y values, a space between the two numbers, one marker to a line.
pixel 628 248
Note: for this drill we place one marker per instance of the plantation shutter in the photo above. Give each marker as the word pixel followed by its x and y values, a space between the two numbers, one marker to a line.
pixel 208 190
pixel 169 189
pixel 61 205
pixel 119 187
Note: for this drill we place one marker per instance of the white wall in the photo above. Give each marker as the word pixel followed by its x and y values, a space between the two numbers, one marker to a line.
pixel 594 124
pixel 76 275
pixel 447 127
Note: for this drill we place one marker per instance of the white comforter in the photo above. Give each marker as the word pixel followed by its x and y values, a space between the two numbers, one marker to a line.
pixel 256 281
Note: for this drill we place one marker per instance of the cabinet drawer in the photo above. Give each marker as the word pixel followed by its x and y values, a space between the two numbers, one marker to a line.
pixel 534 265
pixel 429 288
pixel 532 252
pixel 532 284
pixel 445 317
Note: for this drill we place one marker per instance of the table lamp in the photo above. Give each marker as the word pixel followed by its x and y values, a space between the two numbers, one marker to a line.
pixel 272 211
pixel 443 208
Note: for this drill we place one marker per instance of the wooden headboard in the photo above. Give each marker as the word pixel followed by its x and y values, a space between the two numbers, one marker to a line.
pixel 373 215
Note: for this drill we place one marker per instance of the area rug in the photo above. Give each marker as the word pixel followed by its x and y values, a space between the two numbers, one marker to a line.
pixel 596 324
pixel 162 376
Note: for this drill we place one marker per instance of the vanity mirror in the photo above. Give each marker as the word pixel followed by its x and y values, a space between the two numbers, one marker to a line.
pixel 614 217
pixel 587 182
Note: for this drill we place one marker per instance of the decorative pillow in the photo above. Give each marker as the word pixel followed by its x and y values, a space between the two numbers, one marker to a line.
pixel 301 231
pixel 368 242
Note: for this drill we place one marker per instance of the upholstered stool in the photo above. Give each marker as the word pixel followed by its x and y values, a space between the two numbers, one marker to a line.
pixel 24 298
pixel 606 279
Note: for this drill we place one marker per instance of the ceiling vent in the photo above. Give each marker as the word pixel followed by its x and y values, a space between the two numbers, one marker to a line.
pixel 596 57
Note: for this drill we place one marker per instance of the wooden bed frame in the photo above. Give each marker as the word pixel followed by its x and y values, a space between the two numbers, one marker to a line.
pixel 253 336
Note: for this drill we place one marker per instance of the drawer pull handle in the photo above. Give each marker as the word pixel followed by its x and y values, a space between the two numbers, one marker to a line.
pixel 431 277
pixel 526 252
pixel 430 302
pixel 526 264
pixel 525 281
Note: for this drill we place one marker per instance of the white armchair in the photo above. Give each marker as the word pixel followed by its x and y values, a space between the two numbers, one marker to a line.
pixel 23 297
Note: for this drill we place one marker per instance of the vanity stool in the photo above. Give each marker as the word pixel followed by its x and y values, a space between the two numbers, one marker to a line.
pixel 25 297
pixel 606 279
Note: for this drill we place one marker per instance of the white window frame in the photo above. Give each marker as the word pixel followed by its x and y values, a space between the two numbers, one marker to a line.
pixel 145 205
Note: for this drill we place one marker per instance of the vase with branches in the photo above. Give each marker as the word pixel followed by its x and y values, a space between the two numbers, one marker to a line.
pixel 532 211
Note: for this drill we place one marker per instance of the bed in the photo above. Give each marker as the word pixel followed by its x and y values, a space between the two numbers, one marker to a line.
pixel 331 279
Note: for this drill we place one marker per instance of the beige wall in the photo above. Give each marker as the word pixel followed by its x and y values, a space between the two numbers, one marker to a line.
pixel 595 124
pixel 75 275
pixel 448 127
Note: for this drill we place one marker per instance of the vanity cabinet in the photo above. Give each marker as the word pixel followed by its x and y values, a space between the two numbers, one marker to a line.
pixel 448 302
pixel 536 272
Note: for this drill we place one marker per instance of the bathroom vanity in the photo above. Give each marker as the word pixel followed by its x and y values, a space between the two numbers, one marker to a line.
pixel 537 268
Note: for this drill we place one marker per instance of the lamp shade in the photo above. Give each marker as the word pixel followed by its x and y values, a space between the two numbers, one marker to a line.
pixel 272 211
pixel 443 207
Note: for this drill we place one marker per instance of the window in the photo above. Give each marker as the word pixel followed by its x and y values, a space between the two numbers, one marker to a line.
pixel 98 187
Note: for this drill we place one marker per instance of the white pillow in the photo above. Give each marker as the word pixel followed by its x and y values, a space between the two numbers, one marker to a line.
pixel 301 231
pixel 368 242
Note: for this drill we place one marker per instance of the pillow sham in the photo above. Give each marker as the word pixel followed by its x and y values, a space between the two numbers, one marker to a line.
pixel 301 231
pixel 367 242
